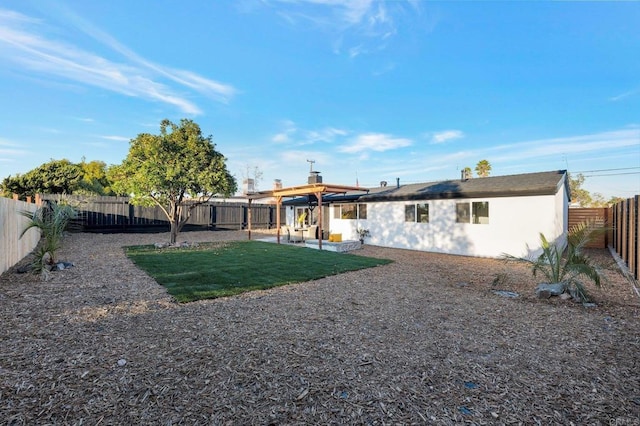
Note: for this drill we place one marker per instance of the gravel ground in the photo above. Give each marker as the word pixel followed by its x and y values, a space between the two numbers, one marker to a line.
pixel 424 340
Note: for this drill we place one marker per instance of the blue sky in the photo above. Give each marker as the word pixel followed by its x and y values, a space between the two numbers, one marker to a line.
pixel 369 90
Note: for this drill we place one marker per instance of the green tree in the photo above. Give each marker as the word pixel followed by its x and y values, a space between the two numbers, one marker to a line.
pixel 54 177
pixel 579 195
pixel 94 180
pixel 14 185
pixel 176 170
pixel 483 168
pixel 614 200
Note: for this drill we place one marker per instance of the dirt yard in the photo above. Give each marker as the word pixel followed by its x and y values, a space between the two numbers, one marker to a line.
pixel 424 340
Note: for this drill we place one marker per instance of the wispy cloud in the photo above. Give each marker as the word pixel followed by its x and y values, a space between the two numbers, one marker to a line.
pixel 378 142
pixel 300 157
pixel 624 95
pixel 591 144
pixel 328 135
pixel 9 151
pixel 292 134
pixel 361 26
pixel 24 43
pixel 116 138
pixel 445 136
pixel 285 135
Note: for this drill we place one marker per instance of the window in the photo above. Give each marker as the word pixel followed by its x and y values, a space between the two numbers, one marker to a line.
pixel 362 211
pixel 416 213
pixel 480 210
pixel 462 213
pixel 422 213
pixel 410 213
pixel 350 211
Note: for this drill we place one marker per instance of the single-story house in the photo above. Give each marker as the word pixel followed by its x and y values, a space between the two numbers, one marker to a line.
pixel 483 217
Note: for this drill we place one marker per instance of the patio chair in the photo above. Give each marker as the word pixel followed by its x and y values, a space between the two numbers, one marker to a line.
pixel 284 232
pixel 311 232
pixel 295 236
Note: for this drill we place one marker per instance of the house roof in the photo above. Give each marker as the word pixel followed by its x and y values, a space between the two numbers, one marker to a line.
pixel 528 184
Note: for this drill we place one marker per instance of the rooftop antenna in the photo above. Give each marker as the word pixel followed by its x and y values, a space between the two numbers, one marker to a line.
pixel 311 165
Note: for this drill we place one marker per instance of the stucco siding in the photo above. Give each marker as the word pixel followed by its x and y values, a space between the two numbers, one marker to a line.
pixel 514 223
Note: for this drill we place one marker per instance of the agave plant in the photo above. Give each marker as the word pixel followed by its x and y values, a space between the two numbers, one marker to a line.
pixel 570 266
pixel 51 221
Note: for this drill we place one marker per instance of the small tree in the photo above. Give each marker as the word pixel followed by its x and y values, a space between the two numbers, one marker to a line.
pixel 176 170
pixel 483 168
pixel 567 267
pixel 51 220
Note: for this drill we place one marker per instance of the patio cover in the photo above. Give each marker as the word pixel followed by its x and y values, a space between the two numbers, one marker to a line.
pixel 315 189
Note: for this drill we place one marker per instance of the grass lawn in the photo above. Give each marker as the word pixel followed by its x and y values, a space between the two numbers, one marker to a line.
pixel 228 268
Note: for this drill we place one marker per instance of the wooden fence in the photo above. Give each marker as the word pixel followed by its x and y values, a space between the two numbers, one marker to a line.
pixel 12 223
pixel 624 221
pixel 117 214
pixel 598 215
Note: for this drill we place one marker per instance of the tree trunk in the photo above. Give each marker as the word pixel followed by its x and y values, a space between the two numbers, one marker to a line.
pixel 175 221
pixel 174 232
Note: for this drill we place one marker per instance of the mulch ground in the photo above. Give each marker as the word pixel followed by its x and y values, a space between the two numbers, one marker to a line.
pixel 424 340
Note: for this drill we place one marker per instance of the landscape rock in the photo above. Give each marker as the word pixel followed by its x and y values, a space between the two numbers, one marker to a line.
pixel 546 290
pixel 505 293
pixel 565 296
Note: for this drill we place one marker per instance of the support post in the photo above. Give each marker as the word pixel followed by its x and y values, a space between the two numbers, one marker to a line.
pixel 319 197
pixel 249 218
pixel 278 204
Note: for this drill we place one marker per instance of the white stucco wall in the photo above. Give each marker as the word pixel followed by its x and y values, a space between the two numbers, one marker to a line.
pixel 514 223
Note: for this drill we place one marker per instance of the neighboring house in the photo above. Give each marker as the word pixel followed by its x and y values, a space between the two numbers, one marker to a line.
pixel 484 217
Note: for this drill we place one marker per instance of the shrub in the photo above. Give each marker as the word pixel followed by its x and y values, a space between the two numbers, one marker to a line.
pixel 51 220
pixel 568 266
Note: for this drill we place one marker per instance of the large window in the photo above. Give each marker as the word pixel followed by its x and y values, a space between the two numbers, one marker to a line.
pixel 416 213
pixel 350 211
pixel 462 212
pixel 476 212
pixel 362 211
pixel 480 211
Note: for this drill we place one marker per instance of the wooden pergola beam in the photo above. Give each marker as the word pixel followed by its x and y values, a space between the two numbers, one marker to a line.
pixel 316 189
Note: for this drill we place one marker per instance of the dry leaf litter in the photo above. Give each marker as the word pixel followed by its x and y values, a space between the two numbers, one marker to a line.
pixel 424 340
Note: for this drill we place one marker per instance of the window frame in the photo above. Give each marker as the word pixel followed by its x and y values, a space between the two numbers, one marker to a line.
pixel 471 215
pixel 356 208
pixel 412 212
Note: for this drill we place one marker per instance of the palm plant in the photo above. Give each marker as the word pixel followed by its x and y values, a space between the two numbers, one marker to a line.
pixel 51 221
pixel 567 267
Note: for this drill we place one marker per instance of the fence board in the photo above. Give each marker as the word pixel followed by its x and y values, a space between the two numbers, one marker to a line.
pixel 116 214
pixel 599 215
pixel 12 247
pixel 626 233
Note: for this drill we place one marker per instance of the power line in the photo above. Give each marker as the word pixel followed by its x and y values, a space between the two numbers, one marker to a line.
pixel 607 170
pixel 614 174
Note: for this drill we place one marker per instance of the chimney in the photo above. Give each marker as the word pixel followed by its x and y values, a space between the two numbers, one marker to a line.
pixel 383 183
pixel 248 186
pixel 277 184
pixel 464 174
pixel 314 177
pixel 397 182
